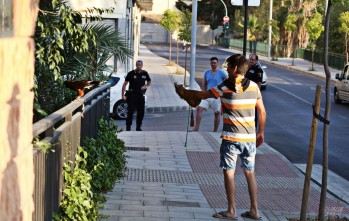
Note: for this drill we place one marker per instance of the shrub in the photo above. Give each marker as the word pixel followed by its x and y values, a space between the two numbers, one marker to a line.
pixel 78 199
pixel 108 152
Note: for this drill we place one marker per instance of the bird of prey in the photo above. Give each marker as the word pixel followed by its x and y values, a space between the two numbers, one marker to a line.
pixel 79 86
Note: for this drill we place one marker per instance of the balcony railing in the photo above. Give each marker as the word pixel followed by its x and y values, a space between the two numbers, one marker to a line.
pixel 64 129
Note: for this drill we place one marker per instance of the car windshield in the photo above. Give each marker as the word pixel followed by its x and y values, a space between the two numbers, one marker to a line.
pixel 113 81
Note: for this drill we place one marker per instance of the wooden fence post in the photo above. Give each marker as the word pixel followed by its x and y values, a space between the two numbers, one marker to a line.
pixel 310 154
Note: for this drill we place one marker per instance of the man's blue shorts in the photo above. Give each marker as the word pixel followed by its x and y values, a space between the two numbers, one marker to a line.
pixel 230 150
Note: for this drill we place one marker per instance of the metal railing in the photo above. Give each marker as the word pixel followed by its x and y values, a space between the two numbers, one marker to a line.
pixel 336 61
pixel 64 129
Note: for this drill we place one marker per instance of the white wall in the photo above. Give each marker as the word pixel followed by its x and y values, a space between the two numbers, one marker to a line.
pixel 155 33
pixel 121 16
pixel 159 6
pixel 152 32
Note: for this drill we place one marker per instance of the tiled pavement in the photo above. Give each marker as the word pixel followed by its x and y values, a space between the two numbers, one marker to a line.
pixel 169 181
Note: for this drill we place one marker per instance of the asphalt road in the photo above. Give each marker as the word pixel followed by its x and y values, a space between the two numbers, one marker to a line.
pixel 288 100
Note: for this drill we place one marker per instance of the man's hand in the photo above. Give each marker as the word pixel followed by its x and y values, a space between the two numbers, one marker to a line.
pixel 190 96
pixel 260 139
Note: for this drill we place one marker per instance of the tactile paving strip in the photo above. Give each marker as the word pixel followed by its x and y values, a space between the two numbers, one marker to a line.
pixel 266 164
pixel 204 162
pixel 137 148
pixel 167 176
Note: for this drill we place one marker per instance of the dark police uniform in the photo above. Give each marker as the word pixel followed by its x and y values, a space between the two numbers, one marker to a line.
pixel 135 96
pixel 255 74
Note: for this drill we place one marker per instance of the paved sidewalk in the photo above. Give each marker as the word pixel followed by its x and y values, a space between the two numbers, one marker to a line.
pixel 168 181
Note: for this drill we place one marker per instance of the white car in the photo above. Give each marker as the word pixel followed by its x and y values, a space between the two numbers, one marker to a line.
pixel 341 90
pixel 118 106
pixel 264 79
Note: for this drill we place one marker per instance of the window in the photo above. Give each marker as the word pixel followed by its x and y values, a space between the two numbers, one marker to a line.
pixel 6 18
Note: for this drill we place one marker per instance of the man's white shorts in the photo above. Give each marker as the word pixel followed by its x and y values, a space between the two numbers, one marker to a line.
pixel 213 103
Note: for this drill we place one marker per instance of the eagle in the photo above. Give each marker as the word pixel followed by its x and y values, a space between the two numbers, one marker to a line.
pixel 80 85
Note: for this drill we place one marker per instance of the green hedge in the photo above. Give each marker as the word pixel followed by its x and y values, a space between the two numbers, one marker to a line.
pixel 96 169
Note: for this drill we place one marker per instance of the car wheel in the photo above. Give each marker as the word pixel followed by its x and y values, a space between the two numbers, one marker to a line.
pixel 337 100
pixel 120 110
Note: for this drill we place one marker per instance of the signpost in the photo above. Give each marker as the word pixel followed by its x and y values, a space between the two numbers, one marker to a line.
pixel 245 3
pixel 245 27
pixel 250 2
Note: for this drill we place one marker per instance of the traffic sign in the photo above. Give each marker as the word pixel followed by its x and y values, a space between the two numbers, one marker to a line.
pixel 250 2
pixel 225 18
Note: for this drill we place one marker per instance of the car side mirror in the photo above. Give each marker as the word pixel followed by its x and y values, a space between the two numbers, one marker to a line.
pixel 337 76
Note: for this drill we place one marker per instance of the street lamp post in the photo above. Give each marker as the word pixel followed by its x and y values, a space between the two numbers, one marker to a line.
pixel 193 43
pixel 226 16
pixel 245 27
pixel 226 10
pixel 270 28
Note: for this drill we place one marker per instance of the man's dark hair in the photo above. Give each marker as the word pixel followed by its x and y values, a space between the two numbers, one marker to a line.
pixel 256 56
pixel 214 58
pixel 240 61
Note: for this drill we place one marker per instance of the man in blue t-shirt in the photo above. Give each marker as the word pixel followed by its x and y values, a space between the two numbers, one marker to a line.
pixel 212 78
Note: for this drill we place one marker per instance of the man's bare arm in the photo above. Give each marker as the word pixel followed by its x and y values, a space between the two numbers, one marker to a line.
pixel 204 85
pixel 262 116
pixel 123 90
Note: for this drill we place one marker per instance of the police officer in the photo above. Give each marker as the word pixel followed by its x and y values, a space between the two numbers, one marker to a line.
pixel 139 82
pixel 255 73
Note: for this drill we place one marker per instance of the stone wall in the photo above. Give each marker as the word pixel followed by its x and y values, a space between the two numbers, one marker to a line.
pixel 16 114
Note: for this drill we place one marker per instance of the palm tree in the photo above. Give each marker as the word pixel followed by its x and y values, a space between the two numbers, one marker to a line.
pixel 92 65
pixel 67 50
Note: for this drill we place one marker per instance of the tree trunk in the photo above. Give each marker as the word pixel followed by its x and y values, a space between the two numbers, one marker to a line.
pixel 312 60
pixel 185 65
pixel 177 54
pixel 310 160
pixel 322 204
pixel 169 61
pixel 346 48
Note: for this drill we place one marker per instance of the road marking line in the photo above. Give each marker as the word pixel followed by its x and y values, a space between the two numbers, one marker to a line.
pixel 294 95
pixel 323 109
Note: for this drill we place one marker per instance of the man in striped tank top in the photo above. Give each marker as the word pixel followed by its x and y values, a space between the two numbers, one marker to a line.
pixel 239 98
